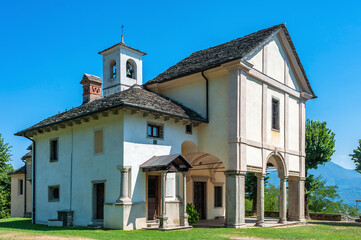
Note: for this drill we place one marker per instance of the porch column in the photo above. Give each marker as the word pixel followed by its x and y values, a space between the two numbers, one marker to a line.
pixel 235 198
pixel 124 183
pixel 163 218
pixel 296 203
pixel 260 200
pixel 184 216
pixel 283 201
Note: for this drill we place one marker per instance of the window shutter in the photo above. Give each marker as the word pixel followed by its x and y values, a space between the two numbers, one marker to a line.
pixel 98 141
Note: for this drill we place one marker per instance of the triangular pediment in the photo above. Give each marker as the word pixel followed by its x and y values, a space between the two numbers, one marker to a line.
pixel 277 58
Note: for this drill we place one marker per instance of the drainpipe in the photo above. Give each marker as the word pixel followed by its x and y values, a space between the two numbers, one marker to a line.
pixel 24 186
pixel 33 178
pixel 207 108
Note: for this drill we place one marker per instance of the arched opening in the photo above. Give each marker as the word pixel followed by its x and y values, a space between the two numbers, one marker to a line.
pixel 272 199
pixel 205 183
pixel 131 69
pixel 112 69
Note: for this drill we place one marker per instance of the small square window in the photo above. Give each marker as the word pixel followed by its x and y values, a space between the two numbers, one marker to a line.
pixel 54 193
pixel 218 196
pixel 54 150
pixel 154 130
pixel 275 114
pixel 189 129
pixel 21 187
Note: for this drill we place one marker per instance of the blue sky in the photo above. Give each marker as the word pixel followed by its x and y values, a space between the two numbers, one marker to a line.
pixel 46 46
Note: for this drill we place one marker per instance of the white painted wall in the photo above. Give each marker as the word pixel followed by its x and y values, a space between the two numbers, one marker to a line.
pixel 17 200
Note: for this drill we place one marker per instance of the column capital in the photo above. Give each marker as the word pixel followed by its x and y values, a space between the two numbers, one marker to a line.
pixel 234 172
pixel 260 175
pixel 123 168
pixel 296 178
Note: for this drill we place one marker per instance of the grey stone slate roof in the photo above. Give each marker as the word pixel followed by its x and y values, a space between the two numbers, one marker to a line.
pixel 92 78
pixel 124 45
pixel 21 170
pixel 170 163
pixel 27 155
pixel 226 52
pixel 135 97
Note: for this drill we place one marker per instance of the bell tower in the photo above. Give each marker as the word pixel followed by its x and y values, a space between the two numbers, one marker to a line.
pixel 122 68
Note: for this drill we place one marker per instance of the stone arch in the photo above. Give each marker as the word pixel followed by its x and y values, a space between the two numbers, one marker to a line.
pixel 112 68
pixel 131 69
pixel 278 161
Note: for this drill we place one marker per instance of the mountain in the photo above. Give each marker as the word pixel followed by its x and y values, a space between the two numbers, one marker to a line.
pixel 348 181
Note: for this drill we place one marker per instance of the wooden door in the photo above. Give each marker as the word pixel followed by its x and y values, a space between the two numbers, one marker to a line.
pixel 199 198
pixel 153 197
pixel 99 201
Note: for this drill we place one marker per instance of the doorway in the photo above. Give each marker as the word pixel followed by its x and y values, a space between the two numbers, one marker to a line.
pixel 199 198
pixel 99 201
pixel 153 197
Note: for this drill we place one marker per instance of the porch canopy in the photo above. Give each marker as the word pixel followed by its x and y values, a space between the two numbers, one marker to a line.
pixel 168 163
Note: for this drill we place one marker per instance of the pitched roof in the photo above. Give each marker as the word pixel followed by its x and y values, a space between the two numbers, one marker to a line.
pixel 123 45
pixel 169 163
pixel 91 78
pixel 27 155
pixel 134 97
pixel 226 52
pixel 21 170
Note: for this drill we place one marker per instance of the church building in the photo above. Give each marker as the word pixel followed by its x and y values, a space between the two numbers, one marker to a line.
pixel 133 154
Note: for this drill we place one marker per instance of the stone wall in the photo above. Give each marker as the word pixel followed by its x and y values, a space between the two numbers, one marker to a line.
pixel 313 216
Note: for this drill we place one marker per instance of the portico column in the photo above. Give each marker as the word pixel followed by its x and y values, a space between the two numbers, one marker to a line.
pixel 260 200
pixel 124 191
pixel 184 216
pixel 296 203
pixel 235 198
pixel 283 201
pixel 162 218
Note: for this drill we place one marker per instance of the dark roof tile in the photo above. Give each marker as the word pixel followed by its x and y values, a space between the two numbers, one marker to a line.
pixel 135 97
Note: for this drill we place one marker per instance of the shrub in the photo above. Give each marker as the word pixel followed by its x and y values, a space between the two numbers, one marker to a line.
pixel 193 215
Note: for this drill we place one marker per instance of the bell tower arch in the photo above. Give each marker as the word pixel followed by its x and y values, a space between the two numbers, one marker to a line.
pixel 122 68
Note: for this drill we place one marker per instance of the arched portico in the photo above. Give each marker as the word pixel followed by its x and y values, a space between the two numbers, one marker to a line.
pixel 205 182
pixel 277 161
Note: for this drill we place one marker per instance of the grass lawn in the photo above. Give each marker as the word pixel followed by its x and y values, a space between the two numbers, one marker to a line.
pixel 21 228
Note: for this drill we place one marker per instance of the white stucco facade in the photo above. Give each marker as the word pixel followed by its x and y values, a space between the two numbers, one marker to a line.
pixel 236 136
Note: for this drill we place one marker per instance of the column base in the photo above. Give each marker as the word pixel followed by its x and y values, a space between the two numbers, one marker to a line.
pixel 301 220
pixel 260 224
pixel 163 222
pixel 243 225
pixel 184 220
pixel 282 221
pixel 121 201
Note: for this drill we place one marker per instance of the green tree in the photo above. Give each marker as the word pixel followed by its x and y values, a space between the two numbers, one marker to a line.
pixel 320 144
pixel 251 190
pixel 321 196
pixel 5 180
pixel 356 157
pixel 271 197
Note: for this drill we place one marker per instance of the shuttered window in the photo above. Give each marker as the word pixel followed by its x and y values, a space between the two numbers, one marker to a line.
pixel 218 196
pixel 275 114
pixel 98 141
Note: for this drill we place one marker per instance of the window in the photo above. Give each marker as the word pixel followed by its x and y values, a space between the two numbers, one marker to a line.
pixel 54 150
pixel 54 193
pixel 189 129
pixel 155 130
pixel 113 69
pixel 98 141
pixel 131 69
pixel 218 196
pixel 21 187
pixel 275 114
